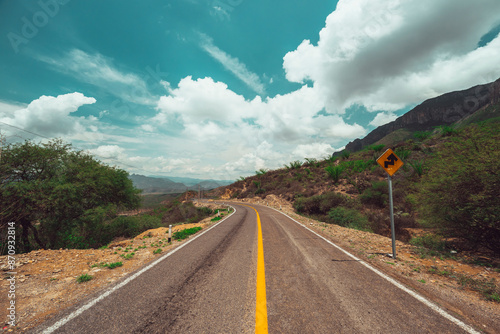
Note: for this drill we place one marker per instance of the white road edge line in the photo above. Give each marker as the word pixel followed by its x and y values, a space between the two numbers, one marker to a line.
pixel 427 302
pixel 82 309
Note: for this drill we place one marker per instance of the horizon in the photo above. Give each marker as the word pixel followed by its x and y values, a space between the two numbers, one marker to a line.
pixel 199 89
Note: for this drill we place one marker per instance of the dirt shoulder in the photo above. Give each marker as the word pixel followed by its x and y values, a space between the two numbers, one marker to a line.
pixel 46 280
pixel 447 282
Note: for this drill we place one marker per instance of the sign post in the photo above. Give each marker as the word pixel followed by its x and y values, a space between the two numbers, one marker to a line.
pixel 390 163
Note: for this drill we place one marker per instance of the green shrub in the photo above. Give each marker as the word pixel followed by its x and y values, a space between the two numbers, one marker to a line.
pixel 261 171
pixel 294 164
pixel 377 194
pixel 312 162
pixel 320 204
pixel 418 167
pixel 334 172
pixel 114 265
pixel 421 135
pixel 459 193
pixel 179 235
pixel 84 278
pixel 447 130
pixel 205 211
pixel 403 153
pixel 348 218
pixel 429 241
pixel 375 148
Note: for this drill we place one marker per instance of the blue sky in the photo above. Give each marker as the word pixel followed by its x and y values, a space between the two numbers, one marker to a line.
pixel 220 88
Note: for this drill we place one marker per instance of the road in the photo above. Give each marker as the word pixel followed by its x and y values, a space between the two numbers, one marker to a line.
pixel 224 281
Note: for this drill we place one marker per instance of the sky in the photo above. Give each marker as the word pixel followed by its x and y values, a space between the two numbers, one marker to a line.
pixel 218 89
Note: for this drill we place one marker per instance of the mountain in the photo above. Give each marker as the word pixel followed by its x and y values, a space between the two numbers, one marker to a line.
pixel 165 185
pixel 446 109
pixel 190 182
pixel 156 185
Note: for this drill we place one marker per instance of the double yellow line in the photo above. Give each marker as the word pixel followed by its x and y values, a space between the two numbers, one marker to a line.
pixel 261 301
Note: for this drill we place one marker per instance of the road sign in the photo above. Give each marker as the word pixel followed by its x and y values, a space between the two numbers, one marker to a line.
pixel 390 162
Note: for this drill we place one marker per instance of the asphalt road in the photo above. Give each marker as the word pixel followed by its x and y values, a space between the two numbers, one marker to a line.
pixel 210 286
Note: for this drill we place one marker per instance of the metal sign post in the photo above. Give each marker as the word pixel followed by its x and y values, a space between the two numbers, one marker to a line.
pixel 391 209
pixel 390 163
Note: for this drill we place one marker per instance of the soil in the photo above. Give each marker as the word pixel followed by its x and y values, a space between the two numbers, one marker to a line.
pixel 46 280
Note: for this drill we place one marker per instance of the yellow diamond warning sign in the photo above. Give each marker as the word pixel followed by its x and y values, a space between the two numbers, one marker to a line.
pixel 390 162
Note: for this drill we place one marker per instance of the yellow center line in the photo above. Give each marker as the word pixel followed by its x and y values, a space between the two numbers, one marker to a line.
pixel 261 301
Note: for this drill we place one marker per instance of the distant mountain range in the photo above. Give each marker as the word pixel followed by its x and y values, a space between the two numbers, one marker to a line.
pixel 170 185
pixel 450 108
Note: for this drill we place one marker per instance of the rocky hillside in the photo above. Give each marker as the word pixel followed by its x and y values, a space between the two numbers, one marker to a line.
pixel 446 183
pixel 442 110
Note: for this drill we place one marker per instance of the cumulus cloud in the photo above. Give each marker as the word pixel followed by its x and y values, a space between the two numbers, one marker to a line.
pixel 249 134
pixel 383 118
pixel 389 54
pixel 314 150
pixel 109 152
pixel 208 108
pixel 50 116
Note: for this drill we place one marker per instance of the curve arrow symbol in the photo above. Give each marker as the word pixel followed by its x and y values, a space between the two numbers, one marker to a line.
pixel 391 159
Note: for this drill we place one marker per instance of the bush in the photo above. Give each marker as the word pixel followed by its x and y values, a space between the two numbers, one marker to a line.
pixel 334 172
pixel 84 278
pixel 429 241
pixel 421 135
pixel 348 218
pixel 402 153
pixel 377 195
pixel 294 164
pixel 447 130
pixel 179 235
pixel 320 204
pixel 459 194
pixel 375 148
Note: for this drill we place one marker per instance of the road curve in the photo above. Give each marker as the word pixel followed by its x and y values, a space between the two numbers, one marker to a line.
pixel 210 286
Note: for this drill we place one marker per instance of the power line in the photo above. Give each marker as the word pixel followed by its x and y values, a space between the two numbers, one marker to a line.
pixel 45 137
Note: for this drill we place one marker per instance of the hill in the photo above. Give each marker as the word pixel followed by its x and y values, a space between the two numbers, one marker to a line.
pixel 444 110
pixel 164 185
pixel 447 188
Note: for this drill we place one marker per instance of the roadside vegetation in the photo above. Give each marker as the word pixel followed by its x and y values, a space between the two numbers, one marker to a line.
pixel 61 198
pixel 448 187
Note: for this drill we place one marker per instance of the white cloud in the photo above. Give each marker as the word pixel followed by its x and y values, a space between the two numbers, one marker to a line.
pixel 233 135
pixel 315 150
pixel 208 108
pixel 109 152
pixel 101 71
pixel 50 116
pixel 7 107
pixel 383 118
pixel 388 54
pixel 232 64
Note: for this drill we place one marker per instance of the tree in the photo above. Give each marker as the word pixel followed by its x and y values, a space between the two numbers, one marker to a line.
pixel 459 195
pixel 55 193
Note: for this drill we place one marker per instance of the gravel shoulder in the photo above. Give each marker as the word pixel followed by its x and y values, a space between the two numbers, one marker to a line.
pixel 432 277
pixel 46 280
